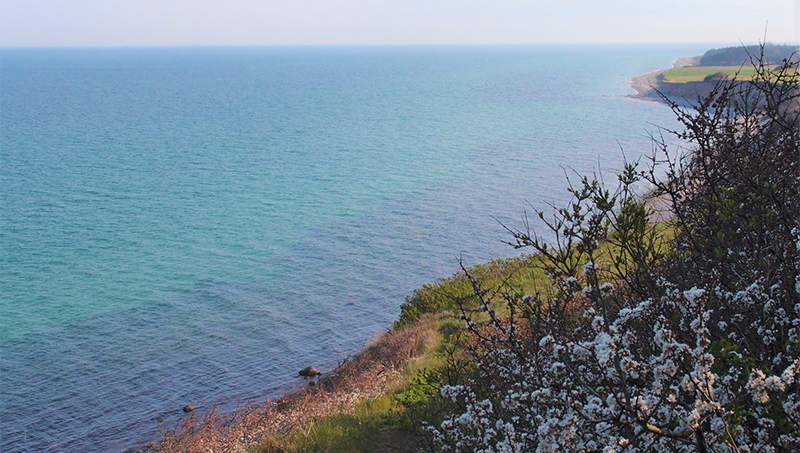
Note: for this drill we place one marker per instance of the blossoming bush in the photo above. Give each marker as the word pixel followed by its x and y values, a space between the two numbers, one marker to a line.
pixel 651 341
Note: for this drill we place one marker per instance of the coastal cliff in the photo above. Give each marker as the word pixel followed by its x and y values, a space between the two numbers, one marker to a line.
pixel 695 78
pixel 652 86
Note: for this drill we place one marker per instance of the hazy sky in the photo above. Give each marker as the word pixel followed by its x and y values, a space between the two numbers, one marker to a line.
pixel 270 22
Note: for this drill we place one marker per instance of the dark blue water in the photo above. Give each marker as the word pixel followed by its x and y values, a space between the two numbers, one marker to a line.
pixel 193 225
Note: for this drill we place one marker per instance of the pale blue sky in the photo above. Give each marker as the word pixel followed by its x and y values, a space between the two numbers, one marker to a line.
pixel 301 22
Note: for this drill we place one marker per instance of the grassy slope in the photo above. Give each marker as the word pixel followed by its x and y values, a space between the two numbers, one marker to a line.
pixel 375 425
pixel 381 425
pixel 699 73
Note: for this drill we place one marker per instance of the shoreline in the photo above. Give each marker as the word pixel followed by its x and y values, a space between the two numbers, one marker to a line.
pixel 367 387
pixel 648 86
pixel 376 371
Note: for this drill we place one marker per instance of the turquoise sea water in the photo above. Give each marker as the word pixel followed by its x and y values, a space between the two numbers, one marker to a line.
pixel 194 225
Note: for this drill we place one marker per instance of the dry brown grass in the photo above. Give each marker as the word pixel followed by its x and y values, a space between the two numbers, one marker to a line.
pixel 372 373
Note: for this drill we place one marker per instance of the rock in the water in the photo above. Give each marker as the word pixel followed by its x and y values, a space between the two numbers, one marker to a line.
pixel 188 408
pixel 308 371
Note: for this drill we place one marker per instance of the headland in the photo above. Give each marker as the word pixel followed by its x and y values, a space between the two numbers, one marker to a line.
pixel 693 78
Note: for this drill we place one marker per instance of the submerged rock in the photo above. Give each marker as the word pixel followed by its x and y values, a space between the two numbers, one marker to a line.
pixel 188 408
pixel 308 371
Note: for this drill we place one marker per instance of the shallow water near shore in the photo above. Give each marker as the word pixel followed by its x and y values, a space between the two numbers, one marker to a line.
pixel 194 225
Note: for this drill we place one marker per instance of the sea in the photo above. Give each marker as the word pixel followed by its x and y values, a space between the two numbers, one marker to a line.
pixel 193 225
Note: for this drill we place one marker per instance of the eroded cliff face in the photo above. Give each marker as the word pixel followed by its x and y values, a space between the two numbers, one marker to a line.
pixel 690 93
pixel 681 93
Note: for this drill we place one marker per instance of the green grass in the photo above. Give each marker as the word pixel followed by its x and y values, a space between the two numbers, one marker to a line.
pixel 379 425
pixel 699 73
pixel 524 273
pixel 375 426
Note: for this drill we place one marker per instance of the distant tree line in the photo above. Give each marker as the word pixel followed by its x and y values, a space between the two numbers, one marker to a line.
pixel 739 55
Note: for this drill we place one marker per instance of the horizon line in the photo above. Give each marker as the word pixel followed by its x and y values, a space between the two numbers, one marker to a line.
pixel 167 46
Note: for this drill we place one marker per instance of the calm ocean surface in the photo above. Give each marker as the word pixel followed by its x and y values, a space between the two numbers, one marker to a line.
pixel 194 225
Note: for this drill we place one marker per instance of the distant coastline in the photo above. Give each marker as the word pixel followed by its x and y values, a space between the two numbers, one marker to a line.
pixel 695 78
pixel 649 87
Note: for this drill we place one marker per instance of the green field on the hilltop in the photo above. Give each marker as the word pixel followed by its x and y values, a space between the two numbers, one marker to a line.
pixel 699 73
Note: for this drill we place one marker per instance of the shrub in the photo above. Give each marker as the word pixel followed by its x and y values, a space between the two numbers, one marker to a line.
pixel 688 348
